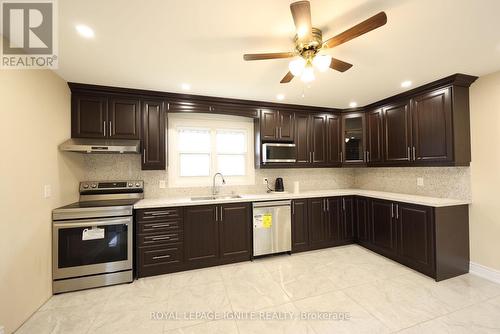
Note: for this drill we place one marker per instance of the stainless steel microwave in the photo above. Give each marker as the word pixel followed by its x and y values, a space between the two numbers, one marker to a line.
pixel 278 152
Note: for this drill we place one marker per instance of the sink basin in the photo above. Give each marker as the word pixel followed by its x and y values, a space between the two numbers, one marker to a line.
pixel 208 198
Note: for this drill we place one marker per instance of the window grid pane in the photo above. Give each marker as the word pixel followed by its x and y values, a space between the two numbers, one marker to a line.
pixel 231 141
pixel 192 140
pixel 194 164
pixel 231 164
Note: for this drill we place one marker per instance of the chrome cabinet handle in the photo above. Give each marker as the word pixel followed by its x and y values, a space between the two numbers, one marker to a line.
pixel 144 156
pixel 159 213
pixel 221 216
pixel 310 156
pixel 397 211
pixel 110 132
pixel 343 203
pixel 161 257
pixel 313 156
pixel 392 210
pixel 104 126
pixel 216 214
pixel 408 154
pixel 160 225
pixel 414 154
pixel 293 208
pixel 160 238
pixel 327 205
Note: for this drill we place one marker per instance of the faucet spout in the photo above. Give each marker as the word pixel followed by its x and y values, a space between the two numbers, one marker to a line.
pixel 215 190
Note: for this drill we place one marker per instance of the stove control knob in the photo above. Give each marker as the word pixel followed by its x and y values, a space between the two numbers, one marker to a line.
pixel 94 185
pixel 130 184
pixel 137 184
pixel 85 186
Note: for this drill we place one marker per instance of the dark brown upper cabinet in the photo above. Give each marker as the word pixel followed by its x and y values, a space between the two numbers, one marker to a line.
pixel 397 133
pixel 124 118
pixel 374 137
pixel 432 129
pixel 353 138
pixel 153 129
pixel 97 116
pixel 318 138
pixel 301 141
pixel 277 125
pixel 333 141
pixel 89 116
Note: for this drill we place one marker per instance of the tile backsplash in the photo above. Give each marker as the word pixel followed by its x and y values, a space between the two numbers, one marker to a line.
pixel 449 182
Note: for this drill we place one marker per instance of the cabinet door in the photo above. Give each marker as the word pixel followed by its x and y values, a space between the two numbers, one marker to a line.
pixel 300 230
pixel 333 145
pixel 234 231
pixel 201 230
pixel 302 138
pixel 334 218
pixel 416 237
pixel 347 218
pixel 153 129
pixel 285 125
pixel 397 133
pixel 124 118
pixel 268 125
pixel 361 219
pixel 374 137
pixel 432 127
pixel 353 138
pixel 383 227
pixel 89 114
pixel 318 138
pixel 318 234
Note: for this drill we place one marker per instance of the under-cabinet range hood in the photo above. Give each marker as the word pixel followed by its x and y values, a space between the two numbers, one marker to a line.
pixel 82 145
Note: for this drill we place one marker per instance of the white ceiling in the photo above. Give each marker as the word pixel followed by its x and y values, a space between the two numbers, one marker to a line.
pixel 160 44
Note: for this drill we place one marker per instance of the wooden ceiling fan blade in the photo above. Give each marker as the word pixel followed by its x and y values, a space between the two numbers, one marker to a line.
pixel 339 65
pixel 263 56
pixel 368 25
pixel 301 12
pixel 287 78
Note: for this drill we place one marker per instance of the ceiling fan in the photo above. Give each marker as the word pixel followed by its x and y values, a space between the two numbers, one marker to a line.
pixel 309 43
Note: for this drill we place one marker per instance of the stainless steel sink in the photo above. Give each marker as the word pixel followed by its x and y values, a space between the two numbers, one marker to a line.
pixel 208 198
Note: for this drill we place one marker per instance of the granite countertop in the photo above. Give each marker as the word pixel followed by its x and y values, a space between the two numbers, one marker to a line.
pixel 187 201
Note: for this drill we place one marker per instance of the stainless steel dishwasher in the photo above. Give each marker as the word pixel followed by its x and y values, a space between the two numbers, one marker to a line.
pixel 272 225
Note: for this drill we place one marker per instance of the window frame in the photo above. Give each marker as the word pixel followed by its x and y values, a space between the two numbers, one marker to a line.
pixel 214 123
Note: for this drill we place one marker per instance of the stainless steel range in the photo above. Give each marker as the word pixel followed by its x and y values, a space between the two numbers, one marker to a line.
pixel 92 240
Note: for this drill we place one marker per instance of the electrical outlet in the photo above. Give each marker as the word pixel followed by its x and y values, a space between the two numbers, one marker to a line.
pixel 420 181
pixel 264 180
pixel 47 191
pixel 163 184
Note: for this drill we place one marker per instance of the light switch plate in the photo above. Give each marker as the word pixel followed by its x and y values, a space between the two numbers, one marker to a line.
pixel 163 184
pixel 47 191
pixel 420 181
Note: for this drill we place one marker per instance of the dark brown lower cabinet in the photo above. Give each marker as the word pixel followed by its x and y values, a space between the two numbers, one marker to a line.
pixel 176 239
pixel 361 220
pixel 383 227
pixel 318 223
pixel 300 226
pixel 348 228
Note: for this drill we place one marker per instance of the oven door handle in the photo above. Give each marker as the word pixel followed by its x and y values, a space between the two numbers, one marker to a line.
pixel 93 222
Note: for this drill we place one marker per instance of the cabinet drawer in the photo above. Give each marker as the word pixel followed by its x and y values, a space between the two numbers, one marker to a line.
pixel 159 227
pixel 159 238
pixel 161 255
pixel 159 214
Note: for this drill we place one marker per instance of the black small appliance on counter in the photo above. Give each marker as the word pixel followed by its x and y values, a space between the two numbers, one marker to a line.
pixel 278 186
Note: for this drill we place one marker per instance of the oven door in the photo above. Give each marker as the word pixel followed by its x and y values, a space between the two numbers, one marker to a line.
pixel 91 246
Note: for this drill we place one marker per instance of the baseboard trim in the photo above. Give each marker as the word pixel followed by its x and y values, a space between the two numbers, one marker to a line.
pixel 485 272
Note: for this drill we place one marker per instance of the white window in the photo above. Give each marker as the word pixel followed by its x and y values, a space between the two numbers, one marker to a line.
pixel 201 145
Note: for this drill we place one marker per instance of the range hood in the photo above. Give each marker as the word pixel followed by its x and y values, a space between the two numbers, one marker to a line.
pixel 82 145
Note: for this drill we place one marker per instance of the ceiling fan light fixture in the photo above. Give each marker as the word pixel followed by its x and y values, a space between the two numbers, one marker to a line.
pixel 322 62
pixel 297 66
pixel 307 74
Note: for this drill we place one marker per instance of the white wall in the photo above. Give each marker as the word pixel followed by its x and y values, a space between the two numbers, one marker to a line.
pixel 35 118
pixel 485 171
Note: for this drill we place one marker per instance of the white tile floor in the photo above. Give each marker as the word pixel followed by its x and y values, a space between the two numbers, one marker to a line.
pixel 378 296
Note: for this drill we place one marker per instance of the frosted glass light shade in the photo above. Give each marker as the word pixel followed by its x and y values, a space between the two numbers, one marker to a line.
pixel 322 62
pixel 296 66
pixel 307 74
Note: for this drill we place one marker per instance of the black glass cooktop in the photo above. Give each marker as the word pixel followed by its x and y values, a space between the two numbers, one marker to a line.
pixel 100 204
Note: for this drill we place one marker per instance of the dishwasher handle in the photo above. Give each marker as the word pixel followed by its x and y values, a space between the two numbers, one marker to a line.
pixel 272 204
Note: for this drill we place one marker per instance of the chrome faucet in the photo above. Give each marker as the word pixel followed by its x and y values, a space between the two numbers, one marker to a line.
pixel 215 190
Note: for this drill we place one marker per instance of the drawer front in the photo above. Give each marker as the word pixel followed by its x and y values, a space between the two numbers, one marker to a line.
pixel 159 238
pixel 161 255
pixel 145 215
pixel 159 227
